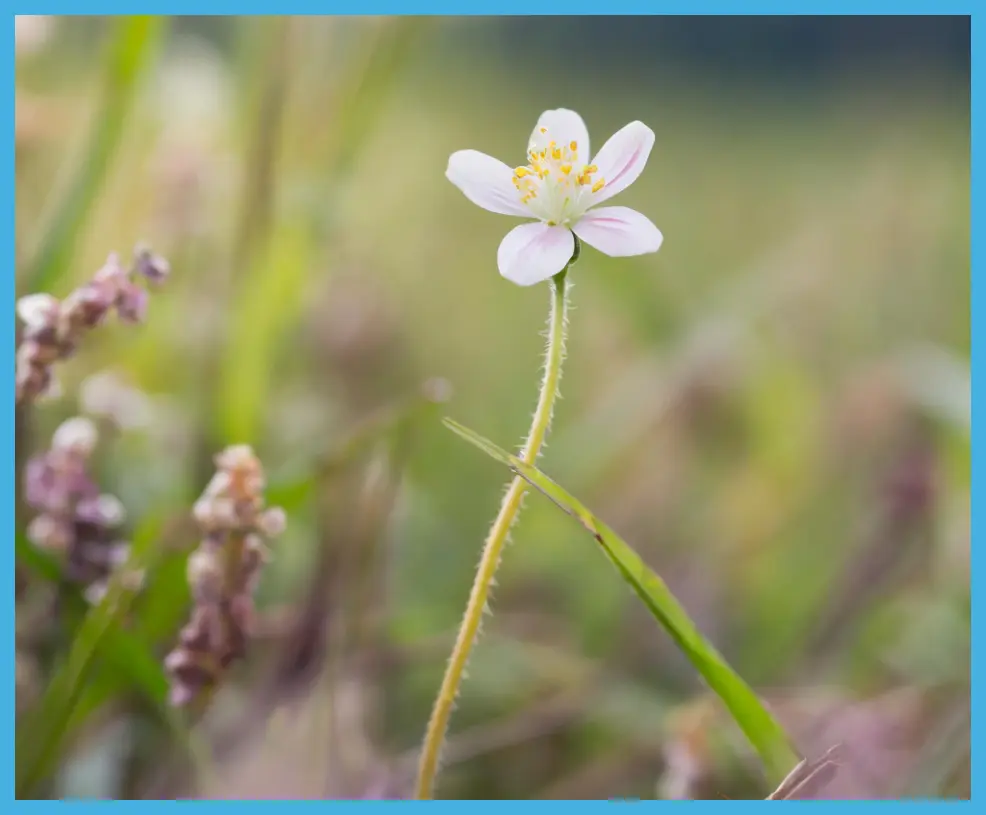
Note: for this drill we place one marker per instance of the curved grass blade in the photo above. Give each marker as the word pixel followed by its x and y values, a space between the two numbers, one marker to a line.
pixel 760 728
pixel 133 46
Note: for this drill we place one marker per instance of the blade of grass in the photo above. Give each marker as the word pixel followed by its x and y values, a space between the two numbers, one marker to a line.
pixel 269 256
pixel 130 663
pixel 270 74
pixel 265 312
pixel 808 778
pixel 40 735
pixel 364 91
pixel 758 725
pixel 132 48
pixel 133 664
pixel 276 248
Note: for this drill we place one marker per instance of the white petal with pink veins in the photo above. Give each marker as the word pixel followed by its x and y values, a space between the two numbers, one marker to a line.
pixel 562 127
pixel 619 232
pixel 485 181
pixel 534 252
pixel 622 159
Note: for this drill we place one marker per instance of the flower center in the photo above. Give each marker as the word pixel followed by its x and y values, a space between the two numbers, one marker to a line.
pixel 553 184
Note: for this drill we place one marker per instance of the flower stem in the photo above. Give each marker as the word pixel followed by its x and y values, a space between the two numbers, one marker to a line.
pixel 469 631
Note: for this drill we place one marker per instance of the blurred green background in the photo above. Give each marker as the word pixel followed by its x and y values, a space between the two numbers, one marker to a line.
pixel 774 409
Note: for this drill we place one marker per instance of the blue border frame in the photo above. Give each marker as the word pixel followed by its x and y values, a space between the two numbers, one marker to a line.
pixel 478 8
pixel 7 419
pixel 978 40
pixel 524 8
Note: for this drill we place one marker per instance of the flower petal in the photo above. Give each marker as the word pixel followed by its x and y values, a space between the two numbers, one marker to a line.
pixel 562 127
pixel 622 159
pixel 619 232
pixel 485 181
pixel 37 310
pixel 531 253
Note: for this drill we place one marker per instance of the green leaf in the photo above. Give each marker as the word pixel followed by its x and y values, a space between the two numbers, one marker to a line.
pixel 762 730
pixel 133 46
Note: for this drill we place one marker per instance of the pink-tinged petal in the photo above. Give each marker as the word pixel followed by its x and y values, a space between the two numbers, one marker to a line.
pixel 486 182
pixel 619 232
pixel 622 159
pixel 531 253
pixel 562 127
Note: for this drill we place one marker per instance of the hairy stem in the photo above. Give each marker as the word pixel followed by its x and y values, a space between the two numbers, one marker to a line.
pixel 469 631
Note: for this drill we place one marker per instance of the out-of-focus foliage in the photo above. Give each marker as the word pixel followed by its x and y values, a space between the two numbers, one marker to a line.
pixel 773 410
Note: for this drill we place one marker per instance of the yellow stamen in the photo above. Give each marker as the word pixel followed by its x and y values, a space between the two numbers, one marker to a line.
pixel 599 185
pixel 574 146
pixel 566 169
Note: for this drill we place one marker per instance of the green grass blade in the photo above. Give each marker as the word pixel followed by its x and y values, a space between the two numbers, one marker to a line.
pixel 40 733
pixel 759 726
pixel 133 46
pixel 368 86
pixel 277 249
pixel 132 662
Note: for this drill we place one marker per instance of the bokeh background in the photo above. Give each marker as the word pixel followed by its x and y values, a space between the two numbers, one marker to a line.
pixel 774 409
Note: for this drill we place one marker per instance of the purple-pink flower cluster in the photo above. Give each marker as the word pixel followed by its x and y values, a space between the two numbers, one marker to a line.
pixel 75 519
pixel 223 573
pixel 53 328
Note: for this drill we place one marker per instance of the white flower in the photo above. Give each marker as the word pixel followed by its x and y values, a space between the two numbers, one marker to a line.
pixel 559 186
